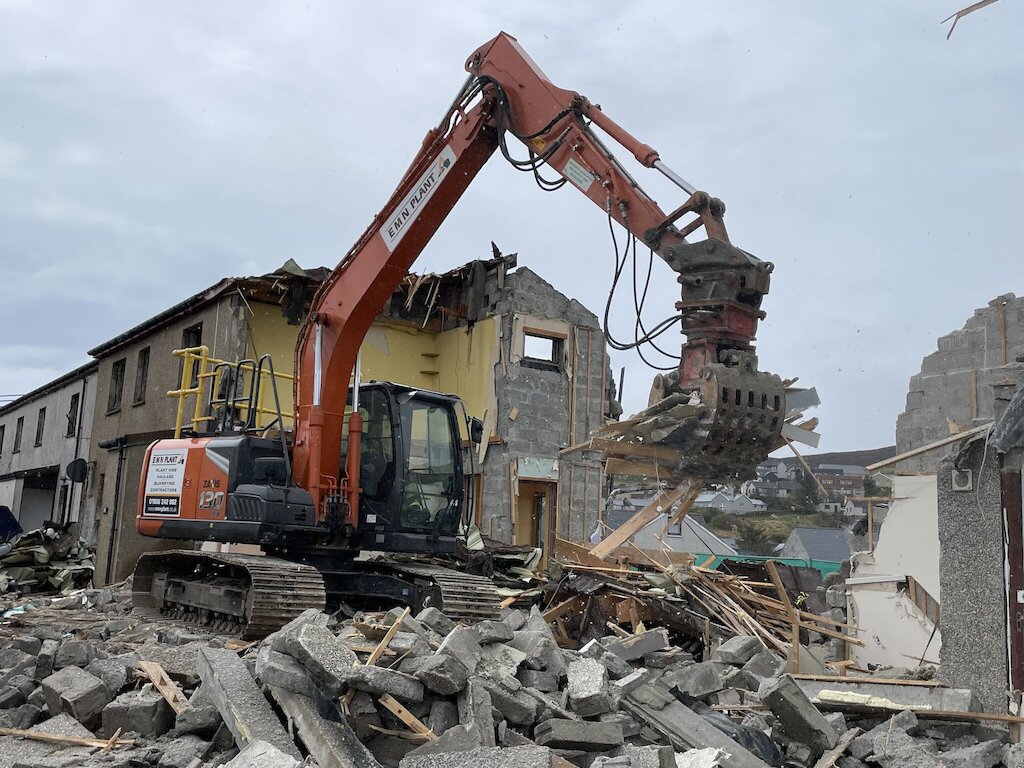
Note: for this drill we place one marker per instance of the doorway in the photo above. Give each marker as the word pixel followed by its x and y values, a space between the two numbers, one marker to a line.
pixel 534 506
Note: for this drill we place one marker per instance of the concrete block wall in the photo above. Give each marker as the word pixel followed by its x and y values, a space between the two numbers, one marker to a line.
pixel 942 391
pixel 543 397
pixel 971 580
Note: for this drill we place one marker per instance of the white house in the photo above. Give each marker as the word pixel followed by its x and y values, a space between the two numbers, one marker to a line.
pixel 41 433
pixel 739 504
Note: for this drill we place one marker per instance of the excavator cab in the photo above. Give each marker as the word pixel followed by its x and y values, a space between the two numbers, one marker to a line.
pixel 410 469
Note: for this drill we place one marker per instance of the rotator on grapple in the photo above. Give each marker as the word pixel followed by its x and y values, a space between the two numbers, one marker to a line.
pixel 379 467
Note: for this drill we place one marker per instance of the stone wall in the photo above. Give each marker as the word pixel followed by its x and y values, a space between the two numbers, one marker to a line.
pixel 955 383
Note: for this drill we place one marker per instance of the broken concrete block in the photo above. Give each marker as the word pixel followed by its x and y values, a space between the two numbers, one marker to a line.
pixel 364 718
pixel 76 692
pixel 765 665
pixel 461 643
pixel 542 681
pixel 630 648
pixel 28 644
pixel 683 728
pixel 631 681
pixel 440 673
pixel 182 751
pixel 475 709
pixel 435 620
pixel 180 662
pixel 380 680
pixel 862 746
pixel 11 697
pixel 542 652
pixel 492 757
pixel 112 672
pixel 498 660
pixel 515 706
pixel 281 671
pixel 710 757
pixel 146 713
pixel 588 688
pixel 260 754
pixel 798 716
pixel 325 657
pixel 238 698
pixel 737 650
pixel 851 693
pixel 515 619
pixel 458 738
pixel 646 757
pixel 835 596
pixel 578 734
pixel 630 726
pixel 331 743
pixel 409 644
pixel 443 715
pixel 983 755
pixel 11 657
pixel 74 653
pixel 201 717
pixel 698 680
pixel 45 658
pixel 492 632
pixel 22 717
pixel 32 753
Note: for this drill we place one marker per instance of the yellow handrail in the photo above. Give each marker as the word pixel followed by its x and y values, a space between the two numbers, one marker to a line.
pixel 199 367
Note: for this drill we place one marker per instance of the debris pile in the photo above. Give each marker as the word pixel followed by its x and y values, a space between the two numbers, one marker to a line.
pixel 93 687
pixel 47 560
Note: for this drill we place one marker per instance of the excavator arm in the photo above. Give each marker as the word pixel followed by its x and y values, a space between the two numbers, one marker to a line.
pixel 505 95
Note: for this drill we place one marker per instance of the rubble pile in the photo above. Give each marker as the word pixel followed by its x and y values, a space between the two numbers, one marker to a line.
pixel 93 687
pixel 47 560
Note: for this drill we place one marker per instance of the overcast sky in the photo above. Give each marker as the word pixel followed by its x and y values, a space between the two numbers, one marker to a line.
pixel 148 150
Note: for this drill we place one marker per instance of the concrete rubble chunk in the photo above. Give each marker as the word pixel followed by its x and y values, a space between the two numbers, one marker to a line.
pixel 710 757
pixel 443 715
pixel 281 671
pixel 260 754
pixel 589 693
pixel 764 665
pixel 630 648
pixel 435 620
pixel 498 660
pixel 515 706
pixel 28 644
pixel 461 643
pixel 246 712
pixel 476 710
pixel 983 755
pixel 180 662
pixel 45 658
pixel 798 716
pixel 646 756
pixel 491 757
pixel 699 680
pixel 145 712
pixel 682 727
pixel 112 672
pixel 363 715
pixel 633 680
pixel 183 751
pixel 279 640
pixel 542 681
pixel 576 734
pixel 31 753
pixel 737 650
pixel 326 659
pixel 440 673
pixel 459 738
pixel 852 694
pixel 380 680
pixel 332 743
pixel 76 692
pixel 200 717
pixel 409 644
pixel 542 652
pixel 492 632
pixel 862 746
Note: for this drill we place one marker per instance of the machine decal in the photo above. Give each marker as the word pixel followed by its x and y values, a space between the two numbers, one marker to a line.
pixel 164 477
pixel 394 230
pixel 578 175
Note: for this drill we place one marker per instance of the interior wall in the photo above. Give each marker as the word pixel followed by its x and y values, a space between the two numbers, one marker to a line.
pixel 36 508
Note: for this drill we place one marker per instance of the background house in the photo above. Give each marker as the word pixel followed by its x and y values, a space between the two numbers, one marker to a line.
pixel 829 544
pixel 41 433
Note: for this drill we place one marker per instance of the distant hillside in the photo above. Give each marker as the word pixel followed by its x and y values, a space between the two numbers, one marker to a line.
pixel 853 458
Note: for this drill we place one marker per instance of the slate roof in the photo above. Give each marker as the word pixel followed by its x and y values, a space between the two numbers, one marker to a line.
pixel 828 544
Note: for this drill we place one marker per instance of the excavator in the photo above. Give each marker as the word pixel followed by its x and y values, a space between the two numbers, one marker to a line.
pixel 378 467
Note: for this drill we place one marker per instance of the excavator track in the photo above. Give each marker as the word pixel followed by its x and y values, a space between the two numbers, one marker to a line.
pixel 464 597
pixel 247 595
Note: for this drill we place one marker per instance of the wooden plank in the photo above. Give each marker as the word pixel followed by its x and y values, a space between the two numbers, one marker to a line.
pixel 568 550
pixel 567 605
pixel 407 717
pixel 618 448
pixel 386 640
pixel 627 468
pixel 871 680
pixel 167 687
pixel 685 493
pixel 929 447
pixel 831 757
pixel 791 611
pixel 54 738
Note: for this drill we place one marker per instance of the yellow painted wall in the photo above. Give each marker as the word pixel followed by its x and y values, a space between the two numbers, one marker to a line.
pixel 399 353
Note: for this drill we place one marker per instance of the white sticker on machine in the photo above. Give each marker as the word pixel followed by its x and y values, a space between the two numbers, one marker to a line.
pixel 578 175
pixel 399 222
pixel 164 478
